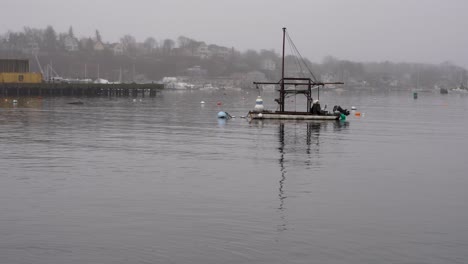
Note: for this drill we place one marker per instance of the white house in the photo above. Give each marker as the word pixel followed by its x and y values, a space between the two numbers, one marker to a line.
pixel 71 43
pixel 268 65
pixel 117 49
pixel 220 51
pixel 99 46
pixel 202 51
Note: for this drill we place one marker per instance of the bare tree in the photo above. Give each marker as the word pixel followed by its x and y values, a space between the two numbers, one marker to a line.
pixel 150 44
pixel 184 42
pixel 50 39
pixel 34 35
pixel 129 44
pixel 168 45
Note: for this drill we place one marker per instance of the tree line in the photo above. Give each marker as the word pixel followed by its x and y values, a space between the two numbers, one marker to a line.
pixel 152 59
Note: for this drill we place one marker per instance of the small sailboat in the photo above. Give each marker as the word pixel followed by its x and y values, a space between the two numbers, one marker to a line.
pixel 304 86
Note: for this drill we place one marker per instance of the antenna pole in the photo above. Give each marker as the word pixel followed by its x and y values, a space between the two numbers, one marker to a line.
pixel 282 74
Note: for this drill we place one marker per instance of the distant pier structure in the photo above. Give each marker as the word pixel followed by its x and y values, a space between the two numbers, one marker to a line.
pixel 67 89
pixel 16 80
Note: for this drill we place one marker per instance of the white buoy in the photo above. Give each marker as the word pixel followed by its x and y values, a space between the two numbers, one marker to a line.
pixel 134 100
pixel 202 102
pixel 353 108
pixel 15 101
pixel 259 104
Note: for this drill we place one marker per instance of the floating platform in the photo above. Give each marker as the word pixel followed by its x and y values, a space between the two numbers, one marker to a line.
pixel 291 116
pixel 66 89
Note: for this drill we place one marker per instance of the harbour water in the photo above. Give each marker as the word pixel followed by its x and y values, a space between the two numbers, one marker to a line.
pixel 162 180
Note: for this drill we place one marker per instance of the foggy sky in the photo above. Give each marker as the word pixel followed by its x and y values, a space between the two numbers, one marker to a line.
pixel 429 31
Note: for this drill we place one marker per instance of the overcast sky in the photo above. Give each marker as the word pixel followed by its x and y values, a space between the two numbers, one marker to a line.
pixel 431 31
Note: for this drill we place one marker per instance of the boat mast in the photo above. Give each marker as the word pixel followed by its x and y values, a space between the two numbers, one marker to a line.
pixel 282 74
pixel 294 81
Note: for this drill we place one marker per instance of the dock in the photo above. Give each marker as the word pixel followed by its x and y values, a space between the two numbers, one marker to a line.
pixel 88 89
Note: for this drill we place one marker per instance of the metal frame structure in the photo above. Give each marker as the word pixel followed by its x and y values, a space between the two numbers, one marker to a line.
pixel 296 82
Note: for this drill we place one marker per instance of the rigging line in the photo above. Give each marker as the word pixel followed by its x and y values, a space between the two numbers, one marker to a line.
pixel 303 61
pixel 296 59
pixel 296 56
pixel 294 46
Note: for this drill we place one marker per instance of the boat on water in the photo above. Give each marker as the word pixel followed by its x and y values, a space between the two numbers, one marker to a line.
pixel 291 86
pixel 460 89
pixel 174 83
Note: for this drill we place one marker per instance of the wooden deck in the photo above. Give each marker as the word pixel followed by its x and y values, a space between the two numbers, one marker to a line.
pixel 291 116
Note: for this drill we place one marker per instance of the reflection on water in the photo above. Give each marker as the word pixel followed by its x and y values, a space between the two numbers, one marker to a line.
pixel 162 180
pixel 22 102
pixel 295 143
pixel 282 180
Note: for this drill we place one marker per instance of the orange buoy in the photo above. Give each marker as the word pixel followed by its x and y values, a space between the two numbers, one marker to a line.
pixel 219 103
pixel 357 114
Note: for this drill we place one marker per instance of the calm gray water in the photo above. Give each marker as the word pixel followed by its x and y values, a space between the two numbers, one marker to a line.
pixel 164 181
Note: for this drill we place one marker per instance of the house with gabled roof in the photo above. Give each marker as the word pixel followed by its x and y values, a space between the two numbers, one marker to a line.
pixel 71 43
pixel 99 46
pixel 117 49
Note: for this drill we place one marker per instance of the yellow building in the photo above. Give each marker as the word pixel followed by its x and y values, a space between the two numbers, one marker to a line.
pixel 17 71
pixel 23 77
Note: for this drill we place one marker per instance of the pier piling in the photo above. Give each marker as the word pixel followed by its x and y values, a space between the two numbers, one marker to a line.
pixel 65 89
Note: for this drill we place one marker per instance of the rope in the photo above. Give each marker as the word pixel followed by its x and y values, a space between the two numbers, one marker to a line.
pixel 297 61
pixel 300 56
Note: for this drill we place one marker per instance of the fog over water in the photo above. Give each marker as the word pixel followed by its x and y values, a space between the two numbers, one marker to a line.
pixel 117 181
pixel 429 31
pixel 161 179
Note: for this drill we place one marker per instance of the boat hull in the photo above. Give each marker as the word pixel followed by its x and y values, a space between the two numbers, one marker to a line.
pixel 291 116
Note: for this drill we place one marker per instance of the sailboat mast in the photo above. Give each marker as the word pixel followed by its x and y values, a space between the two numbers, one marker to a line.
pixel 282 74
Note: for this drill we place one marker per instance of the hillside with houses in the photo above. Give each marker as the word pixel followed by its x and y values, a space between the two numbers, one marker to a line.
pixel 150 60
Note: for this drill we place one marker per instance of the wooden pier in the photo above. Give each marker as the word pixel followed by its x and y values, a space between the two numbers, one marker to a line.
pixel 91 89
